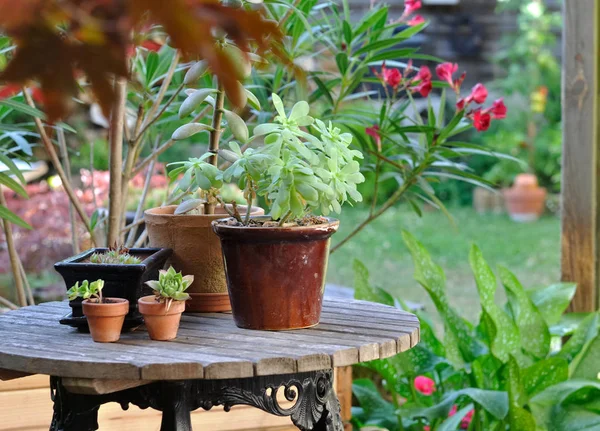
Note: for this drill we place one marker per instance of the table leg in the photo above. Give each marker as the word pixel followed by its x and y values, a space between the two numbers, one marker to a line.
pixel 176 406
pixel 71 413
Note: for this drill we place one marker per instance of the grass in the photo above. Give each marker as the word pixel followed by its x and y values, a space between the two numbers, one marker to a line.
pixel 531 251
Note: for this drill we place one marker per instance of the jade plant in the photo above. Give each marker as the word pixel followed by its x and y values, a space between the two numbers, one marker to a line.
pixel 304 165
pixel 115 256
pixel 171 286
pixel 87 290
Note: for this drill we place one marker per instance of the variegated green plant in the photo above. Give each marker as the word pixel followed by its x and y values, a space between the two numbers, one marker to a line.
pixel 304 165
pixel 86 290
pixel 171 286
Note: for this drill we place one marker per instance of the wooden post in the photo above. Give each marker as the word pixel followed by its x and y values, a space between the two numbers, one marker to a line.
pixel 581 163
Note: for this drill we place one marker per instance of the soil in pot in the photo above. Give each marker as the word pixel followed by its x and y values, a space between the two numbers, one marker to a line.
pixel 106 319
pixel 196 251
pixel 162 322
pixel 525 200
pixel 120 281
pixel 275 275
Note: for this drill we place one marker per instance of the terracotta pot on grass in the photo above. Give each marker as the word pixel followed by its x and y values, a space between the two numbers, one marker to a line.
pixel 196 251
pixel 106 319
pixel 276 275
pixel 525 200
pixel 162 323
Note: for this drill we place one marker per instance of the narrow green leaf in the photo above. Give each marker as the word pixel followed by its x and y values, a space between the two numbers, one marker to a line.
pixel 11 217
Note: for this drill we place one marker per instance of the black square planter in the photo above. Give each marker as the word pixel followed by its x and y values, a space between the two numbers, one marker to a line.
pixel 120 281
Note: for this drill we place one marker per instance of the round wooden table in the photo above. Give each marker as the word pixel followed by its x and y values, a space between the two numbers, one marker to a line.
pixel 212 362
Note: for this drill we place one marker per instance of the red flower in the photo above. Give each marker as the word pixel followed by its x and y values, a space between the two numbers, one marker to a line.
pixel 453 410
pixel 461 104
pixel 481 120
pixel 424 74
pixel 424 88
pixel 426 428
pixel 151 45
pixel 424 385
pixel 479 94
pixel 466 421
pixel 417 19
pixel 499 109
pixel 374 133
pixel 9 91
pixel 392 77
pixel 411 6
pixel 445 71
pixel 459 82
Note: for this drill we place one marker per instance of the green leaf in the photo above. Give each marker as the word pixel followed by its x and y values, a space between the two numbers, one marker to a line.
pixel 506 339
pixel 543 374
pixel 568 324
pixel 553 300
pixel 432 278
pixel 151 65
pixel 574 418
pixel 363 289
pixel 12 184
pixel 535 336
pixel 494 402
pixel 342 62
pixel 23 108
pixel 394 54
pixel 12 168
pixel 347 32
pixel 518 417
pixel 587 331
pixel 587 364
pixel 453 422
pixel 11 217
pixel 94 220
pixel 378 411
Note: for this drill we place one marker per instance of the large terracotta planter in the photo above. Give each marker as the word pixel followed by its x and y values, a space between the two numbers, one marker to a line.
pixel 162 323
pixel 276 275
pixel 196 251
pixel 525 200
pixel 106 319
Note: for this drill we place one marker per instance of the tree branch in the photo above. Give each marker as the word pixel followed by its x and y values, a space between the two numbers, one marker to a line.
pixel 14 257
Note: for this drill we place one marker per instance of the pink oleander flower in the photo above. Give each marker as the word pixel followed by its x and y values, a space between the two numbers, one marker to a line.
pixel 424 74
pixel 453 410
pixel 422 82
pixel 411 6
pixel 374 133
pixel 416 20
pixel 481 120
pixel 466 421
pixel 424 88
pixel 479 94
pixel 499 109
pixel 445 72
pixel 392 77
pixel 424 385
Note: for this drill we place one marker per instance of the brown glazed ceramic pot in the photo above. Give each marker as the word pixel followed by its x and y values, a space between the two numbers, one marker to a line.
pixel 276 275
pixel 105 320
pixel 196 251
pixel 525 200
pixel 162 324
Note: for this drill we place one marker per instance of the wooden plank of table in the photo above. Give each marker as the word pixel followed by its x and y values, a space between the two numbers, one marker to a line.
pixel 100 386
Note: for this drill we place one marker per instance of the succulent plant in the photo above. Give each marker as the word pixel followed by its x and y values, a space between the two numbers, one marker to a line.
pixel 87 290
pixel 115 256
pixel 171 286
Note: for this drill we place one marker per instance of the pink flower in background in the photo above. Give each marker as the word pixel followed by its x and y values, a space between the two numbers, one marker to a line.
pixel 416 20
pixel 453 410
pixel 466 421
pixel 422 81
pixel 445 71
pixel 479 94
pixel 426 428
pixel 481 120
pixel 499 109
pixel 411 6
pixel 424 74
pixel 424 385
pixel 374 133
pixel 392 77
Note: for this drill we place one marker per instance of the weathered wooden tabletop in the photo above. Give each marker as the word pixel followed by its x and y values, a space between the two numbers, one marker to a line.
pixel 208 346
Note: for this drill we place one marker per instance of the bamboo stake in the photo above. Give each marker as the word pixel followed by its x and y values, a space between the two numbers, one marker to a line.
pixel 28 290
pixel 117 121
pixel 8 304
pixel 65 159
pixel 215 136
pixel 14 257
pixel 49 147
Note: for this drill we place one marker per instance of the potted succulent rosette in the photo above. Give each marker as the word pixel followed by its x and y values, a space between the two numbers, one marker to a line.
pixel 186 228
pixel 162 311
pixel 276 264
pixel 105 316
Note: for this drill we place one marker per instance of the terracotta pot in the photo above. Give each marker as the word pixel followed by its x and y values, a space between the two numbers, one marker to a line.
pixel 196 251
pixel 162 324
pixel 525 200
pixel 276 275
pixel 105 320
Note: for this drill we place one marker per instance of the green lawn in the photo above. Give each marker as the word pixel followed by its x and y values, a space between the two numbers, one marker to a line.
pixel 531 251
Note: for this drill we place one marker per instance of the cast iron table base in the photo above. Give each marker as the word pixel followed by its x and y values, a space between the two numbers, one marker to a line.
pixel 315 404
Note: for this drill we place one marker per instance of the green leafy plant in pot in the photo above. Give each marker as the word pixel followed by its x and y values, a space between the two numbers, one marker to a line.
pixel 186 228
pixel 105 316
pixel 276 264
pixel 162 311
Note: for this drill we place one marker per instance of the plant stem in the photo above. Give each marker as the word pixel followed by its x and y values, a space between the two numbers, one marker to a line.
pixel 215 136
pixel 231 213
pixel 375 187
pixel 8 304
pixel 13 255
pixel 65 159
pixel 162 111
pixel 28 291
pixel 117 122
pixel 285 218
pixel 49 147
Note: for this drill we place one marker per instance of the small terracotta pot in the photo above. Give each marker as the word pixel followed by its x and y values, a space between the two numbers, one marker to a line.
pixel 276 275
pixel 162 324
pixel 106 319
pixel 525 200
pixel 196 251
